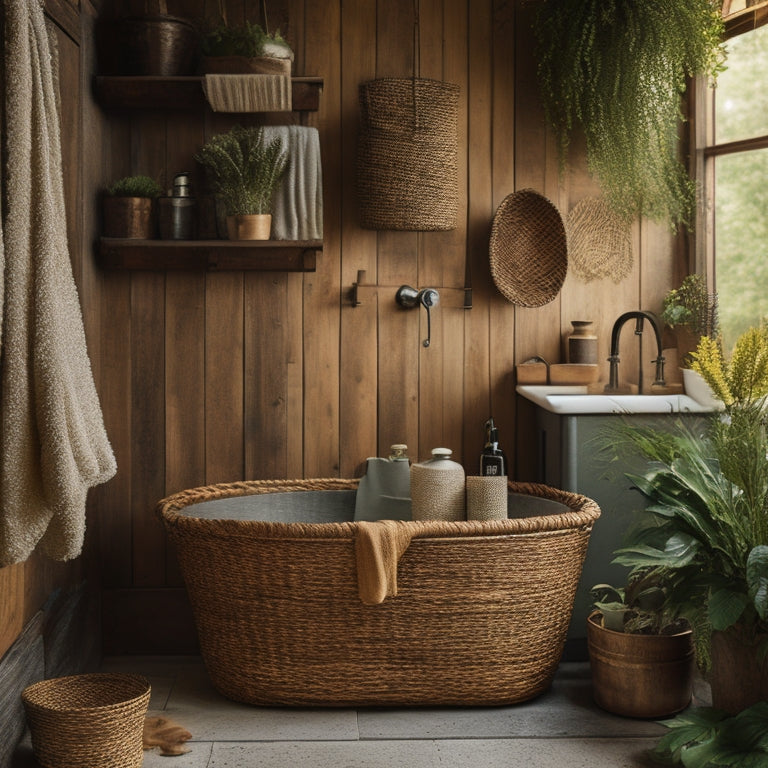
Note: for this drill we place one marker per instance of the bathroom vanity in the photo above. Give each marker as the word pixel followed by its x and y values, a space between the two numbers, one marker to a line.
pixel 569 427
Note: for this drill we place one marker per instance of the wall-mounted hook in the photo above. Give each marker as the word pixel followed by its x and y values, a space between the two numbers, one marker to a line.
pixel 427 297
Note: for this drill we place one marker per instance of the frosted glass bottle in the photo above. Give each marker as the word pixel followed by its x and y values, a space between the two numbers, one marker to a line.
pixel 437 488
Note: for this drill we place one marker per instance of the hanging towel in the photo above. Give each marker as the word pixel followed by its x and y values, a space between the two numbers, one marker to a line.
pixel 248 93
pixel 379 546
pixel 53 445
pixel 297 207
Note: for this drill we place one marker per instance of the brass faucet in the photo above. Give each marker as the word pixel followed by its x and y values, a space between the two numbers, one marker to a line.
pixel 640 317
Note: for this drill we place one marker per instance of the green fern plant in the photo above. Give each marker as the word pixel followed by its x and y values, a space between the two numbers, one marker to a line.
pixel 617 69
pixel 243 169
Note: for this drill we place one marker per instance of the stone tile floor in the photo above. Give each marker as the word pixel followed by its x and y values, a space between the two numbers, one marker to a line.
pixel 563 727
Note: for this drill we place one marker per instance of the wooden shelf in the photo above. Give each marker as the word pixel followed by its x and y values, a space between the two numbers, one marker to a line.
pixel 210 255
pixel 170 93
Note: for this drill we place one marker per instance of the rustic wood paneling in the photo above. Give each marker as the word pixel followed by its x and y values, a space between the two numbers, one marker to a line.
pixel 210 378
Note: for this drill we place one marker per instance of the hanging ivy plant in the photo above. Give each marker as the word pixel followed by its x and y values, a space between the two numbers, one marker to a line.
pixel 618 69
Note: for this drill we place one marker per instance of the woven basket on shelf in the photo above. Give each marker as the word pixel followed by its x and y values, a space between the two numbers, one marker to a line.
pixel 528 251
pixel 407 164
pixel 480 616
pixel 88 721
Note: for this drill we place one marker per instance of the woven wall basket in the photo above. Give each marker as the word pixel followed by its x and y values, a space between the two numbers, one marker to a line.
pixel 407 164
pixel 528 250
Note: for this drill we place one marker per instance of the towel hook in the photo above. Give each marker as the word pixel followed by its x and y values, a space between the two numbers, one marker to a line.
pixel 408 298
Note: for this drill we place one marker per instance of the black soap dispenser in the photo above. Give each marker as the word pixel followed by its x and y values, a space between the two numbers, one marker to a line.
pixel 492 460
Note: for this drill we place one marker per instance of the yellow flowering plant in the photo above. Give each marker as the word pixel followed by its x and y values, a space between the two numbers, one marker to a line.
pixel 741 380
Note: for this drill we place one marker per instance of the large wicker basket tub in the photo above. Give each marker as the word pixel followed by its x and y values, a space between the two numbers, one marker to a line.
pixel 479 614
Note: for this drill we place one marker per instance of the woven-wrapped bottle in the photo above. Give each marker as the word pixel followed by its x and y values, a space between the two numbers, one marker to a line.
pixel 437 488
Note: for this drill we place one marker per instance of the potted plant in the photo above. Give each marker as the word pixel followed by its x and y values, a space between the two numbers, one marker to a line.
pixel 129 207
pixel 245 49
pixel 640 650
pixel 244 172
pixel 706 522
pixel 617 71
pixel 691 312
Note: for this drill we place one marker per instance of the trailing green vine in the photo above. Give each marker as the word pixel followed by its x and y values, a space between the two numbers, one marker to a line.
pixel 618 69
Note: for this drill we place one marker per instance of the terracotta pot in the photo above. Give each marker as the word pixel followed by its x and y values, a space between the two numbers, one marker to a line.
pixel 129 217
pixel 255 226
pixel 640 675
pixel 739 676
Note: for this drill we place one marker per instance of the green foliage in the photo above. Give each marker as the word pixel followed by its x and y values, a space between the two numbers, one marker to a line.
pixel 692 305
pixel 135 186
pixel 708 738
pixel 706 522
pixel 639 608
pixel 248 40
pixel 617 69
pixel 244 170
pixel 741 381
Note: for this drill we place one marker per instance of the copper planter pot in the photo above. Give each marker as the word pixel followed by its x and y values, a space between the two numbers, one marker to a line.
pixel 257 226
pixel 129 217
pixel 739 676
pixel 647 676
pixel 157 45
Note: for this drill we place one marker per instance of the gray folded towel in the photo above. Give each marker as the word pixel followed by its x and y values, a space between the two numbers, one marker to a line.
pixel 297 211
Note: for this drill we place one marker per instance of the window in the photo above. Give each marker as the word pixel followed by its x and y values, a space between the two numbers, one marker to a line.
pixel 736 174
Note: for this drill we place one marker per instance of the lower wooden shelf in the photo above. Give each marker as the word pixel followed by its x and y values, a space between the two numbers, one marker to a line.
pixel 209 255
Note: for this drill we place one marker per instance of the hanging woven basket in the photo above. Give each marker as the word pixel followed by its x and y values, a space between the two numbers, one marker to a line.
pixel 528 250
pixel 407 165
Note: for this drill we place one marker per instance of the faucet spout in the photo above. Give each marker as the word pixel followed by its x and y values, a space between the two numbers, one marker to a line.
pixel 639 317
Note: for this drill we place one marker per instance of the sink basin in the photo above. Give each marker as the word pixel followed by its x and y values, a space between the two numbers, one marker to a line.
pixel 577 399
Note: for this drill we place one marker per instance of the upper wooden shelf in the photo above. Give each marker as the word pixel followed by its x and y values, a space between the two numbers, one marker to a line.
pixel 211 255
pixel 123 92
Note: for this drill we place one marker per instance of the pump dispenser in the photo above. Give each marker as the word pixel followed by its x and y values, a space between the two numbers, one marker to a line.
pixel 492 460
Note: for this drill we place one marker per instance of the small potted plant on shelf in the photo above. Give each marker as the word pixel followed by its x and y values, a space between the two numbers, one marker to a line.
pixel 640 650
pixel 129 207
pixel 245 172
pixel 706 523
pixel 247 49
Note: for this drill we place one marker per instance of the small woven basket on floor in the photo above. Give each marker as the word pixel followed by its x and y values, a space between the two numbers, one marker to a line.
pixel 407 164
pixel 88 721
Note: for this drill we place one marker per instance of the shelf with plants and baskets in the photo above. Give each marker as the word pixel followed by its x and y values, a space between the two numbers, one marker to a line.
pixel 145 230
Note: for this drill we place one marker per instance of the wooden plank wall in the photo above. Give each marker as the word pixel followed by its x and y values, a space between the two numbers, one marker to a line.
pixel 209 378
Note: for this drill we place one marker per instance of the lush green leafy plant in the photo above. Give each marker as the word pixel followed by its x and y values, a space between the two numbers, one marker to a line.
pixel 248 40
pixel 707 488
pixel 639 608
pixel 617 69
pixel 708 738
pixel 135 186
pixel 691 305
pixel 244 170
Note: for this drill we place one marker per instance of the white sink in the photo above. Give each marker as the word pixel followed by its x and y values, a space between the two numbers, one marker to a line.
pixel 576 399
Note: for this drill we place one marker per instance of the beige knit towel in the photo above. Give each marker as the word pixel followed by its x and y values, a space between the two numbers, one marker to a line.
pixel 248 93
pixel 379 545
pixel 53 445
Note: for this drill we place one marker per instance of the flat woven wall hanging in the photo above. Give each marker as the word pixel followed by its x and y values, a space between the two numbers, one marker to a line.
pixel 528 253
pixel 407 163
pixel 599 243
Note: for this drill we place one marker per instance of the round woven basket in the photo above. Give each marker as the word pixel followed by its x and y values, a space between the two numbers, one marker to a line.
pixel 407 163
pixel 528 250
pixel 88 721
